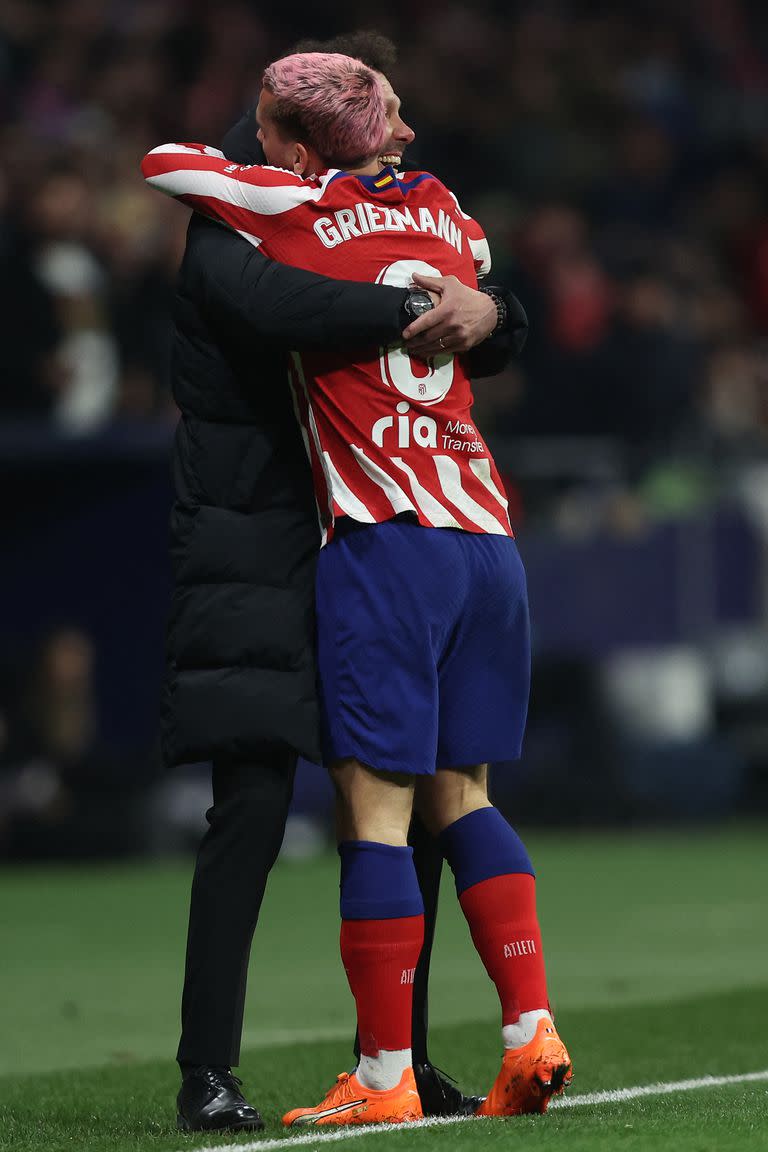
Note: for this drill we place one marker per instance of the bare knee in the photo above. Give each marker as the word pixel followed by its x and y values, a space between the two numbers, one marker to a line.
pixel 371 805
pixel 451 793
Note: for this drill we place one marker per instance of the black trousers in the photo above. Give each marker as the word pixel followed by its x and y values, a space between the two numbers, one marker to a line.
pixel 246 826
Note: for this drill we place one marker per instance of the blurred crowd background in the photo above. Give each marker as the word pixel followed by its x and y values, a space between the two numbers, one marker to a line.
pixel 617 155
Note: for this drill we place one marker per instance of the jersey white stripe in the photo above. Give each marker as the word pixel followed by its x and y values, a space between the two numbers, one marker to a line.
pixel 481 254
pixel 207 150
pixel 186 150
pixel 263 199
pixel 435 512
pixel 449 475
pixel 394 493
pixel 302 383
pixel 350 504
pixel 257 241
pixel 482 469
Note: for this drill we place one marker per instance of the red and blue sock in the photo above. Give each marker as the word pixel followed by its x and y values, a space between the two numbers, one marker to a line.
pixel 496 886
pixel 382 932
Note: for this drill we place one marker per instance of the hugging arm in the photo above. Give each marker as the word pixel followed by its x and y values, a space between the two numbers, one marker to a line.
pixel 299 309
pixel 492 356
pixel 289 306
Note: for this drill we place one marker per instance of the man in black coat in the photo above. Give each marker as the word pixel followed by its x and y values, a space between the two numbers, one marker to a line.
pixel 241 685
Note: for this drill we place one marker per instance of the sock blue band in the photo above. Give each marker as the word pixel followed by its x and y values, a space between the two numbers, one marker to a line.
pixel 378 882
pixel 482 845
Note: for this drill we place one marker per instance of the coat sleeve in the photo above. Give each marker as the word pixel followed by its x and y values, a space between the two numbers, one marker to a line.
pixel 286 305
pixel 492 356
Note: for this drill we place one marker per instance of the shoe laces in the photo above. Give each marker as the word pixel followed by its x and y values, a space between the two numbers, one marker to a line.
pixel 449 1088
pixel 341 1090
pixel 221 1078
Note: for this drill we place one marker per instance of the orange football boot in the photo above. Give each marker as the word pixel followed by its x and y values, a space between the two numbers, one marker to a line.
pixel 348 1102
pixel 530 1076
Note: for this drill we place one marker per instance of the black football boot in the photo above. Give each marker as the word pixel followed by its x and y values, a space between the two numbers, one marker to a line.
pixel 441 1096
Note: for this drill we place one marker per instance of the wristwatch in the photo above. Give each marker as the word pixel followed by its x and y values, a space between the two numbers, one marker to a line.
pixel 417 302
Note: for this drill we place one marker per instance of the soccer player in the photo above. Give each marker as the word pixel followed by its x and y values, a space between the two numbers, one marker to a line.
pixel 245 545
pixel 423 636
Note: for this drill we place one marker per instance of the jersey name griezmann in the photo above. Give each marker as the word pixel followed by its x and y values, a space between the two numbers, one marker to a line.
pixel 365 218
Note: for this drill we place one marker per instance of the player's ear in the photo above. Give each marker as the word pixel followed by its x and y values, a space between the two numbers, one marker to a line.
pixel 301 159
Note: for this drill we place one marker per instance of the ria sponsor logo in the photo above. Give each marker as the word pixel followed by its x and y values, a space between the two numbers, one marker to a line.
pixel 422 431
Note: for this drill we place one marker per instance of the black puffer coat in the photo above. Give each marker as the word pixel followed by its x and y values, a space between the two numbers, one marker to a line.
pixel 244 527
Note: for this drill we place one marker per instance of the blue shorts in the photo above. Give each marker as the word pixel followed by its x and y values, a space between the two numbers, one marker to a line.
pixel 423 647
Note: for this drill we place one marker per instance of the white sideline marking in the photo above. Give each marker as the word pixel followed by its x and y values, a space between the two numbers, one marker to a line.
pixel 612 1096
pixel 615 1095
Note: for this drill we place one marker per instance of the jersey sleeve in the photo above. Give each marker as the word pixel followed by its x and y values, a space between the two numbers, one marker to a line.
pixel 250 198
pixel 478 243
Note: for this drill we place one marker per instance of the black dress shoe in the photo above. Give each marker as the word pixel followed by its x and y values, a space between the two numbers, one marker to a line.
pixel 210 1100
pixel 440 1096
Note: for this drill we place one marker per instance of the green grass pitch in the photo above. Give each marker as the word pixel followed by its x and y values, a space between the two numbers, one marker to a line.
pixel 657 951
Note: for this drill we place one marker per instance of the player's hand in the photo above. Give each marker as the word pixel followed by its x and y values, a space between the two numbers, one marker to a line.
pixel 463 318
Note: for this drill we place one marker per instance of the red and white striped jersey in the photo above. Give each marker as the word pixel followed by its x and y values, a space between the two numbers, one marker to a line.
pixel 385 433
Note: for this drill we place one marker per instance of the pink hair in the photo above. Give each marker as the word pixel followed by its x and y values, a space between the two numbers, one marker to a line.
pixel 330 101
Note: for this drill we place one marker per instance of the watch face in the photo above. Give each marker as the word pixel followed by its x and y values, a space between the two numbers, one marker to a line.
pixel 419 303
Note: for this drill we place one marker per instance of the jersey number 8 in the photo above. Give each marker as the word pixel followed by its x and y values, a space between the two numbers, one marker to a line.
pixel 426 382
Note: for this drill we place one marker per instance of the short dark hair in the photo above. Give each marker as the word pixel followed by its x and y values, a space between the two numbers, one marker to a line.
pixel 372 48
